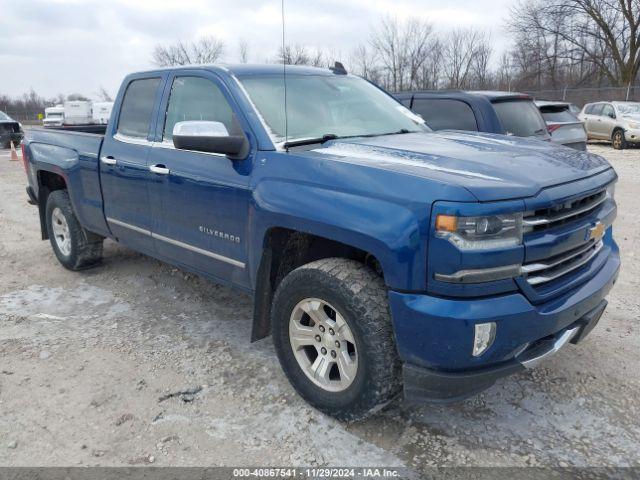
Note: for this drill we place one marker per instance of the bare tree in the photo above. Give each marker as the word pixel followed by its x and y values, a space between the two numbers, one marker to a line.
pixel 318 58
pixel 402 48
pixel 104 95
pixel 296 54
pixel 363 62
pixel 243 50
pixel 481 63
pixel 204 50
pixel 504 74
pixel 459 55
pixel 431 72
pixel 604 33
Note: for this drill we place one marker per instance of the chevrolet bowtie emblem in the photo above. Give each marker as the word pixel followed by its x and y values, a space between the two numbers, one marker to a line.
pixel 596 232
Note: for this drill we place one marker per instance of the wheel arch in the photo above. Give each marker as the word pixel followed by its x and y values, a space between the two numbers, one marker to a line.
pixel 284 250
pixel 48 181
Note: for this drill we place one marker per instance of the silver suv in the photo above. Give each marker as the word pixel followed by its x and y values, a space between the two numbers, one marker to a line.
pixel 618 122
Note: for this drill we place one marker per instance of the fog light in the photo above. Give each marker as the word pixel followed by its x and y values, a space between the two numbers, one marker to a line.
pixel 485 334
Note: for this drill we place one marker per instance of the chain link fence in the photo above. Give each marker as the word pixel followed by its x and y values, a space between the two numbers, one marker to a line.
pixel 27 117
pixel 581 96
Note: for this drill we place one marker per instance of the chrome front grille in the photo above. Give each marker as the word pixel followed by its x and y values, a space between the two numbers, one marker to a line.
pixel 562 213
pixel 541 272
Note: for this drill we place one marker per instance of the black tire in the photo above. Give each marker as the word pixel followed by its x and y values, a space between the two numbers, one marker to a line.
pixel 617 139
pixel 85 247
pixel 361 298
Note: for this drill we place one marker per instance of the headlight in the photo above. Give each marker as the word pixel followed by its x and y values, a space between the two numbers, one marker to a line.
pixel 634 125
pixel 480 233
pixel 611 191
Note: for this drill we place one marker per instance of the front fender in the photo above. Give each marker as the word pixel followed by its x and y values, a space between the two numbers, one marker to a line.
pixel 391 232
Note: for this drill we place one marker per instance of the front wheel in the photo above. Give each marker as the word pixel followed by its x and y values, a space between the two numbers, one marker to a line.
pixel 618 141
pixel 333 335
pixel 75 248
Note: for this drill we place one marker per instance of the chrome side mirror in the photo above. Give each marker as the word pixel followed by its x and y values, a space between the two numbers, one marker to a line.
pixel 210 137
pixel 200 128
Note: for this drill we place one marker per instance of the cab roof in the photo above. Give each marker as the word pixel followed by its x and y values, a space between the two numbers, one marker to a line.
pixel 490 95
pixel 247 69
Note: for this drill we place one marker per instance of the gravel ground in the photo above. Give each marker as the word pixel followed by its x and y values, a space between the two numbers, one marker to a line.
pixel 86 360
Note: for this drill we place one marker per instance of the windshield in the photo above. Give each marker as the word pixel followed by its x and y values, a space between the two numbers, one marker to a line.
pixel 4 116
pixel 319 105
pixel 629 108
pixel 54 114
pixel 520 118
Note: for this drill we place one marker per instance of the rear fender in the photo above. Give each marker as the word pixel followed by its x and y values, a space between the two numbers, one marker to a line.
pixel 79 170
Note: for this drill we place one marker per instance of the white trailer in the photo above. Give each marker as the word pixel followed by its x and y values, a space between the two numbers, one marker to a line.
pixel 53 116
pixel 102 112
pixel 78 112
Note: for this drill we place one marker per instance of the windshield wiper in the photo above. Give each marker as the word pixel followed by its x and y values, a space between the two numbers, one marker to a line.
pixel 331 136
pixel 310 141
pixel 399 132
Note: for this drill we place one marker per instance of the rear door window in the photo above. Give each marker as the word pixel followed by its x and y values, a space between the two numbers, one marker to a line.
pixel 446 114
pixel 520 118
pixel 137 107
pixel 597 109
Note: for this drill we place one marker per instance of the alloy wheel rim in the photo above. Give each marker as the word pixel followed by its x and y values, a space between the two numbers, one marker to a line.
pixel 617 140
pixel 323 345
pixel 61 232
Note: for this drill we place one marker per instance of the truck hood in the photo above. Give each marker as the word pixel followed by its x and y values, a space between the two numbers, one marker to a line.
pixel 491 167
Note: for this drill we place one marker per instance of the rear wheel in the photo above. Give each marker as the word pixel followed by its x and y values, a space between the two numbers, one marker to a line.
pixel 333 335
pixel 75 248
pixel 617 140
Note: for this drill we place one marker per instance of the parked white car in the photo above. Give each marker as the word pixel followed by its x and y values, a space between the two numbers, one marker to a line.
pixel 618 122
pixel 565 127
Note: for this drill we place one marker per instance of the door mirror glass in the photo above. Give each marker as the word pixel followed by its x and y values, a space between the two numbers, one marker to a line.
pixel 208 136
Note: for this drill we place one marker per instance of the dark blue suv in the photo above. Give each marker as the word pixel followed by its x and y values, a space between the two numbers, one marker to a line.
pixel 504 113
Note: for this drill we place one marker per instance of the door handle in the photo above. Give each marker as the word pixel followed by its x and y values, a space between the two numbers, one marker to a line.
pixel 109 160
pixel 159 169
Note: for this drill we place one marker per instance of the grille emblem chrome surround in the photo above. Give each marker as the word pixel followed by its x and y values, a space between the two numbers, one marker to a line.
pixel 595 232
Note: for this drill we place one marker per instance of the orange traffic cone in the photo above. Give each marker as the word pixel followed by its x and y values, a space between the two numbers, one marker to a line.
pixel 14 154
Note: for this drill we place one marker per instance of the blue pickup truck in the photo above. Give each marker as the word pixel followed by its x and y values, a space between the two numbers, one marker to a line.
pixel 383 258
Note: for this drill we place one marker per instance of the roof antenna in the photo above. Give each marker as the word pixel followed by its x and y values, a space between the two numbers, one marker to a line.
pixel 284 78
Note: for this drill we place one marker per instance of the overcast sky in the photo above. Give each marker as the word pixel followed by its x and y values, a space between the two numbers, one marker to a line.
pixel 66 46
